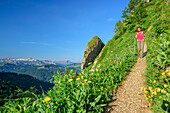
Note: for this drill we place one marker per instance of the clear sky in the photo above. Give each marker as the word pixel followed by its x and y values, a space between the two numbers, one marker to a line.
pixel 55 29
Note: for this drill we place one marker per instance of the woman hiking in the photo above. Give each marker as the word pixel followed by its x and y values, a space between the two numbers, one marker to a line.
pixel 140 41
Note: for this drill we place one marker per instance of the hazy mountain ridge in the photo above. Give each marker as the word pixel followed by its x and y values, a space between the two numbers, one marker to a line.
pixel 33 62
pixel 43 72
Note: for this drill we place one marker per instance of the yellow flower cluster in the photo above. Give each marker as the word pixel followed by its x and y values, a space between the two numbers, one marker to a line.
pixel 46 99
pixel 70 80
pixel 77 79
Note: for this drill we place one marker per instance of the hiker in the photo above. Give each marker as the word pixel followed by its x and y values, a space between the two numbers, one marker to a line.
pixel 140 41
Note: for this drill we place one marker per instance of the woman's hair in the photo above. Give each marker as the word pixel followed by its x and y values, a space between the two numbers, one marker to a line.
pixel 140 28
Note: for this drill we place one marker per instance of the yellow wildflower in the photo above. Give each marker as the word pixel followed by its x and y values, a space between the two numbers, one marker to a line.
pixel 146 106
pixel 158 89
pixel 165 85
pixel 168 41
pixel 162 90
pixel 155 93
pixel 99 90
pixel 151 100
pixel 145 96
pixel 24 108
pixel 150 88
pixel 83 84
pixel 149 104
pixel 81 77
pixel 106 89
pixel 46 99
pixel 70 80
pixel 163 74
pixel 79 73
pixel 85 80
pixel 120 63
pixel 77 78
pixel 59 82
pixel 166 105
pixel 154 81
pixel 145 89
pixel 141 88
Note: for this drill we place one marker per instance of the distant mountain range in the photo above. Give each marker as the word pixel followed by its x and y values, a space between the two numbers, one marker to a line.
pixel 40 69
pixel 33 62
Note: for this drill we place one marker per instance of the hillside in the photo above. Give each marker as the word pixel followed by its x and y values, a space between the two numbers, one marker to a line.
pixel 46 72
pixel 93 89
pixel 11 82
pixel 4 66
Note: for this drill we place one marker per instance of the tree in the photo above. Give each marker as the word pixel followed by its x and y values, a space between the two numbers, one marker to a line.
pixel 118 26
pixel 124 12
pixel 132 4
pixel 139 13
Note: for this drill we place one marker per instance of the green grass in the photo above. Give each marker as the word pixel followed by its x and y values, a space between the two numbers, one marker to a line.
pixel 90 91
pixel 42 67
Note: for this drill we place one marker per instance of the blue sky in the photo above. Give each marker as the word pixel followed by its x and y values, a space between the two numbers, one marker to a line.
pixel 55 29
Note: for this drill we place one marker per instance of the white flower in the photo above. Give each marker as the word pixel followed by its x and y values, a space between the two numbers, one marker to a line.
pixel 92 70
pixel 89 81
pixel 160 34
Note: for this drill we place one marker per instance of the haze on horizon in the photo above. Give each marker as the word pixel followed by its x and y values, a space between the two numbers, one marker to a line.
pixel 55 29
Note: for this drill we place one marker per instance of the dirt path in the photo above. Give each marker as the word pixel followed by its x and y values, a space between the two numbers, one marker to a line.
pixel 129 97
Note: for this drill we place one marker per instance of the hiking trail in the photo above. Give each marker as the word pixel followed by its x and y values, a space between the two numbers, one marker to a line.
pixel 129 97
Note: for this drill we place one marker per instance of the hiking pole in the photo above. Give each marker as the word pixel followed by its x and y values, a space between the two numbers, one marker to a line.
pixel 134 47
pixel 145 44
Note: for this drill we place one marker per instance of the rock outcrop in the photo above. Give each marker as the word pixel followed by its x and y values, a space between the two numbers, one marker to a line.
pixel 92 50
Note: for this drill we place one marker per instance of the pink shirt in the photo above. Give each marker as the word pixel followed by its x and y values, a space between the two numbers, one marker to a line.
pixel 140 36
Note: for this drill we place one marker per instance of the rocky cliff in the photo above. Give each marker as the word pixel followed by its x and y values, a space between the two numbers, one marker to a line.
pixel 92 50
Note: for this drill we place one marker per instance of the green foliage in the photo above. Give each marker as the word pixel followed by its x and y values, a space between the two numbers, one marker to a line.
pixel 124 13
pixel 92 43
pixel 158 80
pixel 87 92
pixel 139 14
pixel 90 91
pixel 118 26
pixel 132 4
pixel 46 72
pixel 10 82
pixel 119 29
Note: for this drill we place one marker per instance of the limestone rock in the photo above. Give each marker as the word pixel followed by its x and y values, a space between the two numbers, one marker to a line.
pixel 92 50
